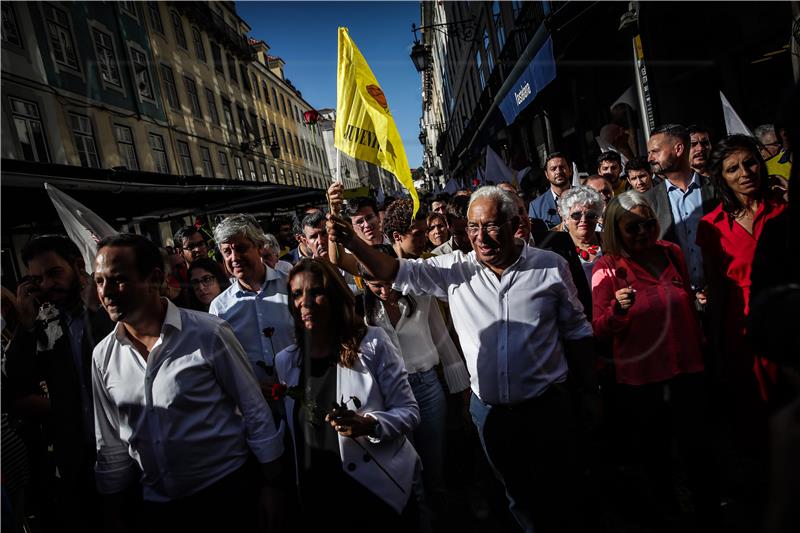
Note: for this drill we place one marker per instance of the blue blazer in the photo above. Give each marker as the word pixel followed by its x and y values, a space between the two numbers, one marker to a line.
pixel 379 380
pixel 544 208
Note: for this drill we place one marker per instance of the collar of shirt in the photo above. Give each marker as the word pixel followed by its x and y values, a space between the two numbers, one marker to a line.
pixel 172 319
pixel 271 275
pixel 694 184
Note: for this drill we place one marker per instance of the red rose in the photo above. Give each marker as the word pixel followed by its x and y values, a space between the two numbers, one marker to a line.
pixel 277 391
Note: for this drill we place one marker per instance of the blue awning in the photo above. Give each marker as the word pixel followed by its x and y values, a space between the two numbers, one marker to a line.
pixel 540 72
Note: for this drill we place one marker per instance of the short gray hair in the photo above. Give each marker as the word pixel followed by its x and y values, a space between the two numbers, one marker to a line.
pixel 762 130
pixel 616 209
pixel 272 243
pixel 507 206
pixel 239 225
pixel 580 196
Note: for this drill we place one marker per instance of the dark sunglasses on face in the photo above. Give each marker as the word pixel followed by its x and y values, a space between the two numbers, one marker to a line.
pixel 590 216
pixel 633 228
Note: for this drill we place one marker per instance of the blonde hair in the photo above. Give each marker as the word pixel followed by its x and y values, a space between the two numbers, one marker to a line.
pixel 615 210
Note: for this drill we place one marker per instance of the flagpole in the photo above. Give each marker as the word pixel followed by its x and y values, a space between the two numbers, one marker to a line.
pixel 333 248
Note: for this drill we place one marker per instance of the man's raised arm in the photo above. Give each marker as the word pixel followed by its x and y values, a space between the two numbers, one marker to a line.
pixel 377 264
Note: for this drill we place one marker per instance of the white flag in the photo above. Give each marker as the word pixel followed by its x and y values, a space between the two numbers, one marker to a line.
pixel 83 226
pixel 733 123
pixel 496 169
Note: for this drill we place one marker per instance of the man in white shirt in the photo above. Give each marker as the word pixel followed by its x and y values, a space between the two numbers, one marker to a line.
pixel 518 318
pixel 176 403
pixel 256 305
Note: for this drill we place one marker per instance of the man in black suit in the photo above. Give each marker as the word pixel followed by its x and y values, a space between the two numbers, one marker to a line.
pixel 58 331
pixel 683 199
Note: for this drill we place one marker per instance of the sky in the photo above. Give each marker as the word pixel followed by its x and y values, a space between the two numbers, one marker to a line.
pixel 304 35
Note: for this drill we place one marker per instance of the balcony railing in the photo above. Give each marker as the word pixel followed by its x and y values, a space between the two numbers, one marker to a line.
pixel 202 14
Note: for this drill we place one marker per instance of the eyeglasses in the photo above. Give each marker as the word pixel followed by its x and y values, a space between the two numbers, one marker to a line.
pixel 367 220
pixel 492 228
pixel 205 281
pixel 590 216
pixel 633 228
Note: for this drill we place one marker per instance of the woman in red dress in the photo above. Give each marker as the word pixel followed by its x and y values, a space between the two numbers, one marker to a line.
pixel 728 237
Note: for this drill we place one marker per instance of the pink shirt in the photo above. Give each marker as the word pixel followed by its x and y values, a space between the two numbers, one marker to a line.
pixel 660 336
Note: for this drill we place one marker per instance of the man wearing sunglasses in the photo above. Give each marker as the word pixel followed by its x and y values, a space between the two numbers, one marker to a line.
pixel 683 199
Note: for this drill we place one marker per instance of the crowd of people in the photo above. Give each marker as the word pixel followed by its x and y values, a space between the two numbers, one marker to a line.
pixel 586 356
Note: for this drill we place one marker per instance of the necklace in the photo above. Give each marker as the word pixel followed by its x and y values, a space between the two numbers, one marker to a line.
pixel 590 250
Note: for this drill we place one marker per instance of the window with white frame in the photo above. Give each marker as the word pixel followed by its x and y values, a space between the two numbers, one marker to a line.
pixel 283 177
pixel 59 31
pixel 199 47
pixel 223 164
pixel 30 133
pixel 127 148
pixel 106 57
pixel 185 158
pixel 194 99
pixel 252 167
pixel 216 56
pixel 239 169
pixel 177 28
pixel 141 74
pixel 155 17
pixel 159 150
pixel 273 176
pixel 205 159
pixel 228 114
pixel 487 46
pixel 83 135
pixel 168 79
pixel 263 168
pixel 10 30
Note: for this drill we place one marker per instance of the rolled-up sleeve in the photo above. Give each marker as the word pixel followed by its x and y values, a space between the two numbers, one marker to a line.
pixel 236 377
pixel 115 469
pixel 425 276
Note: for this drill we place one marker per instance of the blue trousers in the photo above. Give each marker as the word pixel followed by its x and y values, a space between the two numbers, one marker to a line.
pixel 429 435
pixel 530 446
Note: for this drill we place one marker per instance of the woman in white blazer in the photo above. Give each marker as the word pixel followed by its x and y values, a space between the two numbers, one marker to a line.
pixel 355 458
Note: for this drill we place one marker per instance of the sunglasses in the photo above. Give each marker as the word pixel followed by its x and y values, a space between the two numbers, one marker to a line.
pixel 633 228
pixel 590 216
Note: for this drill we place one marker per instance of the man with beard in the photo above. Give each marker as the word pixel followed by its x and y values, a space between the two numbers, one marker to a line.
pixel 558 171
pixel 683 199
pixel 54 344
pixel 700 149
pixel 256 305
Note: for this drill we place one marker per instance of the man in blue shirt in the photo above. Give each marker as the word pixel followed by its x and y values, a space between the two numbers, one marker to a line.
pixel 558 171
pixel 256 305
pixel 684 197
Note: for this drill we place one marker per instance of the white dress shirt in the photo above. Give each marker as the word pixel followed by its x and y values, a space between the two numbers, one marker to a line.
pixel 510 328
pixel 250 313
pixel 422 340
pixel 187 416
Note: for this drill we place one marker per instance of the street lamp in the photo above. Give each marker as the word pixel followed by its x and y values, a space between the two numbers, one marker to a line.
pixel 463 30
pixel 274 147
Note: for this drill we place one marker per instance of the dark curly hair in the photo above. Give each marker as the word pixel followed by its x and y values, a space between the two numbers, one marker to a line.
pixel 346 326
pixel 398 218
pixel 722 150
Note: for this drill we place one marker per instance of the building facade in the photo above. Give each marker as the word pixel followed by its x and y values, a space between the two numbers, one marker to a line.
pixel 576 71
pixel 174 88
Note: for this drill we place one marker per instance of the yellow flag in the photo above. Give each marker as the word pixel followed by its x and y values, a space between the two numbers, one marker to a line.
pixel 365 128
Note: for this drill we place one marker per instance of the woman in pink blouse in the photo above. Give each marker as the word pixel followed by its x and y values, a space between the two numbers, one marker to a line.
pixel 644 305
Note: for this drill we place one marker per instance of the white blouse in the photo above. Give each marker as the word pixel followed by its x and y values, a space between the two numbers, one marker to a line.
pixel 422 340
